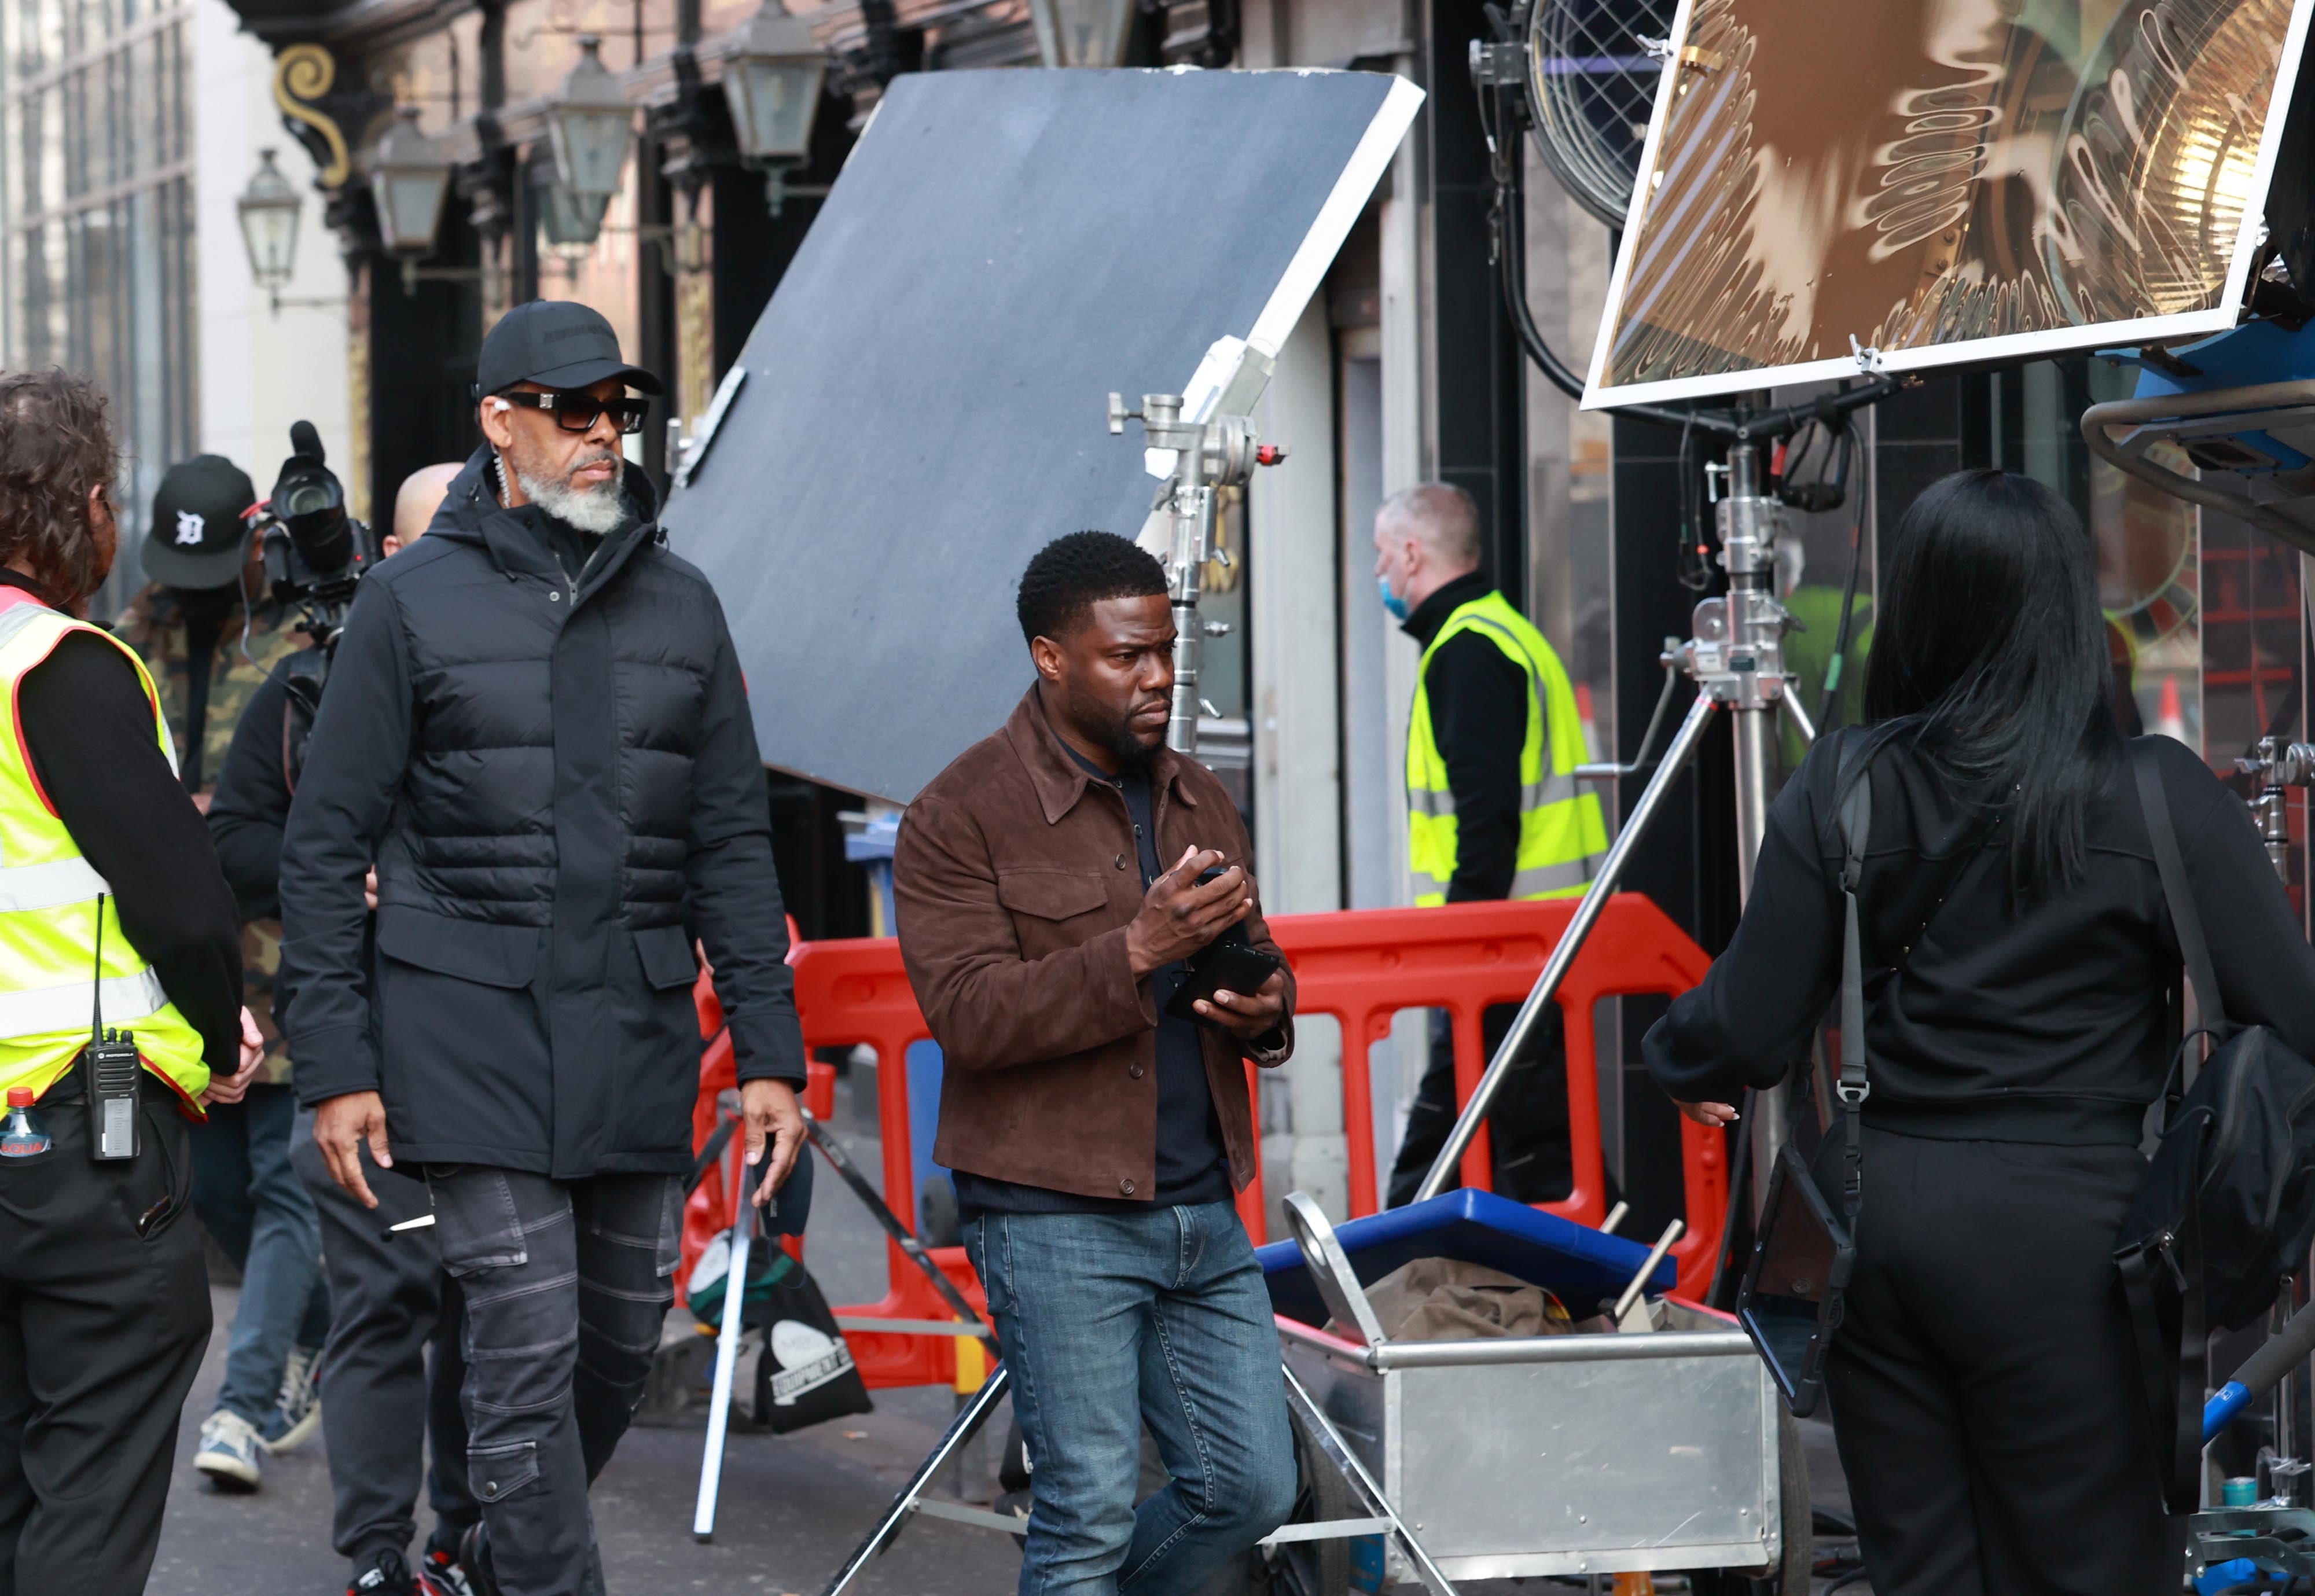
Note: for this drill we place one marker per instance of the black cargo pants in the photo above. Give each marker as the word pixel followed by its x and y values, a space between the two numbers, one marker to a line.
pixel 391 1301
pixel 102 1324
pixel 567 1284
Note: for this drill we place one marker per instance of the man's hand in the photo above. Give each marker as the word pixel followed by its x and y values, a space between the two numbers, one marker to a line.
pixel 1248 1016
pixel 771 1111
pixel 370 890
pixel 341 1126
pixel 1179 917
pixel 233 1087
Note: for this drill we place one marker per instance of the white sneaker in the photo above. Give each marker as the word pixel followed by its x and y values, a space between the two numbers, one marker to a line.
pixel 299 1412
pixel 228 1452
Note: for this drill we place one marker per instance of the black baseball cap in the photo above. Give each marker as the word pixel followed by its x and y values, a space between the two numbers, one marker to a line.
pixel 197 539
pixel 556 343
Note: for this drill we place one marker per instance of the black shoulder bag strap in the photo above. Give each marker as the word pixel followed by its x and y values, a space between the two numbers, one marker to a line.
pixel 2180 1395
pixel 1853 1088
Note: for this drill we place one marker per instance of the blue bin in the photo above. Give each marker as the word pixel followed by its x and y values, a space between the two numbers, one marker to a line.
pixel 1576 1264
pixel 871 847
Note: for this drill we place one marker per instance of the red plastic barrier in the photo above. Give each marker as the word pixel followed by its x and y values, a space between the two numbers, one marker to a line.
pixel 1362 966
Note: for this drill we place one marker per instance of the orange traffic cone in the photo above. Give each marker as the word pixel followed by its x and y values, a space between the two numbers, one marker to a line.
pixel 2170 719
pixel 1635 1584
pixel 1584 719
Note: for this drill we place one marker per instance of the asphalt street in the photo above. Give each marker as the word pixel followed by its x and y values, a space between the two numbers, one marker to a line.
pixel 793 1506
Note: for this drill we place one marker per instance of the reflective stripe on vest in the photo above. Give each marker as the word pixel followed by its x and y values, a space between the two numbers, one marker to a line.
pixel 1562 834
pixel 55 905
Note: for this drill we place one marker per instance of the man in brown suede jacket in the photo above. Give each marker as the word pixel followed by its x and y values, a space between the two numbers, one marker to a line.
pixel 1047 889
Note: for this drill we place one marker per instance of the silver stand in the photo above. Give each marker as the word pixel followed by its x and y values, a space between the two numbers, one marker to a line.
pixel 1737 660
pixel 1213 447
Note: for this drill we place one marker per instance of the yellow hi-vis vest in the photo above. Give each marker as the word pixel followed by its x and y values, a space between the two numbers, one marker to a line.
pixel 50 899
pixel 1562 833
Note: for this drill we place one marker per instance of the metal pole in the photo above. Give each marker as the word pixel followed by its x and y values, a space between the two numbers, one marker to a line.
pixel 1749 522
pixel 1571 943
pixel 961 1429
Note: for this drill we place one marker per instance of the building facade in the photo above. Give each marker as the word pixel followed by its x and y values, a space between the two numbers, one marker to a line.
pixel 129 130
pixel 126 129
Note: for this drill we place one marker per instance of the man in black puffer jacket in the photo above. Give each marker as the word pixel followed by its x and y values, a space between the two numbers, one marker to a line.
pixel 535 726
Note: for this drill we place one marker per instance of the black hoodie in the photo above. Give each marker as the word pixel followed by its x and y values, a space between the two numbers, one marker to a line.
pixel 558 779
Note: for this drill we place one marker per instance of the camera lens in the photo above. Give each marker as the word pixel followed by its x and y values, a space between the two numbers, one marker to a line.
pixel 305 499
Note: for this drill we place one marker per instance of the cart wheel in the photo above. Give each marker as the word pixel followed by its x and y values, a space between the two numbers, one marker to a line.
pixel 1316 1567
pixel 1796 1568
pixel 1793 1571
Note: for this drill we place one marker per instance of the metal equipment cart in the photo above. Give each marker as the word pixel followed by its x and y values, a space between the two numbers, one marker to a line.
pixel 1565 1454
pixel 1500 1458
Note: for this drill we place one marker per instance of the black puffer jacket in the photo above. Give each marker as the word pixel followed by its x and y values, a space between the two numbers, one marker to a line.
pixel 559 783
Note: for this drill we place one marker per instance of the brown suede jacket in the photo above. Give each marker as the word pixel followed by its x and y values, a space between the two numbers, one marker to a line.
pixel 1015 878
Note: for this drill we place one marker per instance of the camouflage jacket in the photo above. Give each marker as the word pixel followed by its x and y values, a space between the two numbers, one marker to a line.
pixel 154 625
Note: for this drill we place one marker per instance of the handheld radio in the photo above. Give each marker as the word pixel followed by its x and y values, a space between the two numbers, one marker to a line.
pixel 109 1073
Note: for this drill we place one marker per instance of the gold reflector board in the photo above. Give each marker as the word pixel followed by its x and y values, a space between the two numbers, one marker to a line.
pixel 1897 185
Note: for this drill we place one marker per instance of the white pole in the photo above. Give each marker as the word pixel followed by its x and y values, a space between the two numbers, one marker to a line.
pixel 727 1355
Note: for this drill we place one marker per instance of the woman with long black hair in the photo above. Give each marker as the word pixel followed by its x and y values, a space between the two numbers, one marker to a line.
pixel 1985 1387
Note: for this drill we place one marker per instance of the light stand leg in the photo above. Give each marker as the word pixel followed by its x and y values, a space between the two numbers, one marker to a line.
pixel 1339 1457
pixel 1571 943
pixel 962 1429
pixel 1756 761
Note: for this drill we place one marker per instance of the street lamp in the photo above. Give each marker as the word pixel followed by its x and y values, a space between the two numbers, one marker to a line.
pixel 590 125
pixel 771 81
pixel 267 208
pixel 1082 33
pixel 571 222
pixel 409 176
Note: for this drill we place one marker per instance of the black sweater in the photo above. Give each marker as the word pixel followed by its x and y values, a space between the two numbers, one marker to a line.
pixel 1479 717
pixel 88 727
pixel 2047 1024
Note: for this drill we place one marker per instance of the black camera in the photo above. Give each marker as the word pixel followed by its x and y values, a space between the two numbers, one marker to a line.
pixel 314 552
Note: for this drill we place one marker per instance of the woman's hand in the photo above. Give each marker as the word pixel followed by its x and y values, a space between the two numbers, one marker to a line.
pixel 1712 1116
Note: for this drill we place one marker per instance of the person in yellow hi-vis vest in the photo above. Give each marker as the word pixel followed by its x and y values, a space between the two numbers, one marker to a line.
pixel 1494 810
pixel 111 907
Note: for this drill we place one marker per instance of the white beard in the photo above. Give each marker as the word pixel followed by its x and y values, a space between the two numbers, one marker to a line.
pixel 599 510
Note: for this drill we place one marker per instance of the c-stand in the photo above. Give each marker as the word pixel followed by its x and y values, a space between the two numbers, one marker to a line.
pixel 1737 660
pixel 1213 446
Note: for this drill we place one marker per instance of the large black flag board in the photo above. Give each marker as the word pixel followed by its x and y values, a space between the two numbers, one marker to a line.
pixel 922 404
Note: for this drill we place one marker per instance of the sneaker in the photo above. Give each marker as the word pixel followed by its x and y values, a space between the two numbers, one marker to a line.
pixel 299 1412
pixel 228 1452
pixel 439 1572
pixel 387 1574
pixel 475 1561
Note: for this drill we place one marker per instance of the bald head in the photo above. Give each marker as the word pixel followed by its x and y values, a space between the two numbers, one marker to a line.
pixel 420 496
pixel 1442 516
pixel 1425 538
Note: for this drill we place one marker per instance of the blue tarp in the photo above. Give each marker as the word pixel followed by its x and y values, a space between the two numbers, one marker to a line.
pixel 1576 1264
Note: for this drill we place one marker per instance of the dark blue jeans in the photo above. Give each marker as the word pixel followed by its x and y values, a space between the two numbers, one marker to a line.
pixel 253 1203
pixel 1110 1321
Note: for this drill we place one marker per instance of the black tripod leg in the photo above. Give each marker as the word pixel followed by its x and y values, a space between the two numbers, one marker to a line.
pixel 962 1429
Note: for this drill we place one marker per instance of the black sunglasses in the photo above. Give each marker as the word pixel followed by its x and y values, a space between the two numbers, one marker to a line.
pixel 579 412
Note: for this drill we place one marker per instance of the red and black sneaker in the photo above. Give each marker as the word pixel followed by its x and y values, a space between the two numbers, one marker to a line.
pixel 441 1571
pixel 387 1574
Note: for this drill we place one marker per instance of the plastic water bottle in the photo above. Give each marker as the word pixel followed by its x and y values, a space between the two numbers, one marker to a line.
pixel 23 1136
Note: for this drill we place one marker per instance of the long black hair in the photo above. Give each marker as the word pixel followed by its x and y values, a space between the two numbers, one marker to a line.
pixel 1989 629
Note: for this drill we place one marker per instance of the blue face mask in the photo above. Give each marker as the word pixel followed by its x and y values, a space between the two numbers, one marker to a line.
pixel 1390 601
